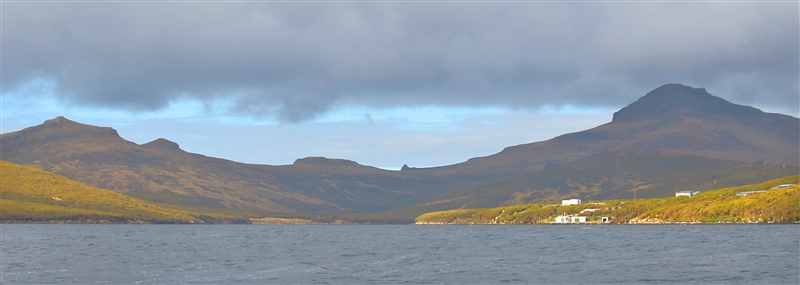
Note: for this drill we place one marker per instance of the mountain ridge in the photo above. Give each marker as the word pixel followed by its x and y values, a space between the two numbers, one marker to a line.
pixel 160 171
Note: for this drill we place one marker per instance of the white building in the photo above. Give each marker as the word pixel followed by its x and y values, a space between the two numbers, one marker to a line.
pixel 745 193
pixel 563 219
pixel 571 202
pixel 578 219
pixel 686 193
pixel 588 210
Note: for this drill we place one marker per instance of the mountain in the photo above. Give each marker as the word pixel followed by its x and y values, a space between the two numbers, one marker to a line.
pixel 674 137
pixel 673 118
pixel 159 171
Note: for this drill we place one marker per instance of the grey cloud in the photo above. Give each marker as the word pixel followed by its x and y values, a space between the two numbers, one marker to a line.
pixel 295 61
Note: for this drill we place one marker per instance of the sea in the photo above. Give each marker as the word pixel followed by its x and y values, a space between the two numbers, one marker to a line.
pixel 399 254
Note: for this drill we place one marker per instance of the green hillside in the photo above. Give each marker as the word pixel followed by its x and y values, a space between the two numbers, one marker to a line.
pixel 780 205
pixel 29 194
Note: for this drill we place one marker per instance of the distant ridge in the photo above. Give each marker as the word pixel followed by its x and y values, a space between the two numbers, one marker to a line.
pixel 316 160
pixel 163 144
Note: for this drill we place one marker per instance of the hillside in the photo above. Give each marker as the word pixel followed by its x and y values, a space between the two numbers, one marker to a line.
pixel 611 175
pixel 718 206
pixel 675 137
pixel 31 195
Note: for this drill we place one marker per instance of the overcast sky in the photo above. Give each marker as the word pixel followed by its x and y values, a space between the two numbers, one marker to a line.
pixel 422 83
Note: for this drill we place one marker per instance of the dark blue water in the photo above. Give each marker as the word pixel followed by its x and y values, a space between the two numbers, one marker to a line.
pixel 247 254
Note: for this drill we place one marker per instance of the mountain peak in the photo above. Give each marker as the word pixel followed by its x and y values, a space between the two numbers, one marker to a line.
pixel 58 120
pixel 60 128
pixel 164 144
pixel 323 161
pixel 675 99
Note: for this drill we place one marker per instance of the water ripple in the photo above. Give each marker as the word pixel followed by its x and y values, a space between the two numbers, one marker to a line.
pixel 308 254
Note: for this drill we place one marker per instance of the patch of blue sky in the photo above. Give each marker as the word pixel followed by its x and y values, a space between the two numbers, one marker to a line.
pixel 572 109
pixel 37 101
pixel 419 118
pixel 28 104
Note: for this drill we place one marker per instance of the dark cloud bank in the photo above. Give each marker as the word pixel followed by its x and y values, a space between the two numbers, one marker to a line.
pixel 294 61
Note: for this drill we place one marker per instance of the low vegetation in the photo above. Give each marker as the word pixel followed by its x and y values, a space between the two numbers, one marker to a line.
pixel 31 195
pixel 776 205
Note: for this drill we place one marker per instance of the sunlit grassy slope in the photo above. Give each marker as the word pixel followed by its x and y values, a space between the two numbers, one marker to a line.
pixel 718 206
pixel 32 195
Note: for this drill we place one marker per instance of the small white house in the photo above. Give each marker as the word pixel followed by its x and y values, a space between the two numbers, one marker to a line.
pixel 578 219
pixel 686 193
pixel 571 202
pixel 562 219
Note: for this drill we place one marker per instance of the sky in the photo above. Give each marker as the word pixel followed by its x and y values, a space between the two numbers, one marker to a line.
pixel 383 83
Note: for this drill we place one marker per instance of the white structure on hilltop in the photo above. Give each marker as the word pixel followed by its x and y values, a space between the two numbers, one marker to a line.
pixel 571 202
pixel 783 186
pixel 745 193
pixel 686 193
